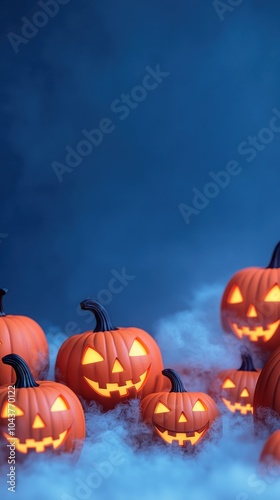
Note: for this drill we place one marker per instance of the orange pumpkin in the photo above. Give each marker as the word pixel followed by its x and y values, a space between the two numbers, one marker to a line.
pixel 109 364
pixel 267 392
pixel 47 416
pixel 270 454
pixel 250 305
pixel 179 417
pixel 236 387
pixel 22 335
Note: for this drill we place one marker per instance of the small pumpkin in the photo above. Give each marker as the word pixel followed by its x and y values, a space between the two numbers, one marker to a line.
pixel 22 335
pixel 179 417
pixel 48 415
pixel 250 306
pixel 271 450
pixel 109 365
pixel 236 387
pixel 267 391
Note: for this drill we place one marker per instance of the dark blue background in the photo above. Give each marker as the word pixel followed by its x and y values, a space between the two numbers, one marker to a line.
pixel 119 208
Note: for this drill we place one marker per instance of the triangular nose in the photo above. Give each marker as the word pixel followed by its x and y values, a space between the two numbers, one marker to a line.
pixel 252 313
pixel 117 367
pixel 244 393
pixel 38 423
pixel 182 418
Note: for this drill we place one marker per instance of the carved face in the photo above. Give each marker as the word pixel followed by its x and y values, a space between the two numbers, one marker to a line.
pixel 251 306
pixel 115 364
pixel 110 366
pixel 47 417
pixel 180 418
pixel 237 389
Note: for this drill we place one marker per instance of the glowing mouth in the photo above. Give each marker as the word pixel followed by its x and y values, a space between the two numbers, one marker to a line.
pixel 244 409
pixel 256 332
pixel 38 446
pixel 122 389
pixel 181 437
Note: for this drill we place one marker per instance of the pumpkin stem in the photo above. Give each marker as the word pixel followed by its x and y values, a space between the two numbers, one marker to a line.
pixel 177 384
pixel 103 322
pixel 275 259
pixel 247 361
pixel 25 378
pixel 3 292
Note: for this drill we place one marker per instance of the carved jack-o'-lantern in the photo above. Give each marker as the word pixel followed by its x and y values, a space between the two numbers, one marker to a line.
pixel 236 387
pixel 25 337
pixel 47 416
pixel 179 417
pixel 250 305
pixel 109 365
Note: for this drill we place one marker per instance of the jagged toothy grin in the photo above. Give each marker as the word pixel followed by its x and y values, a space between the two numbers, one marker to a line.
pixel 122 389
pixel 38 446
pixel 244 409
pixel 181 437
pixel 255 333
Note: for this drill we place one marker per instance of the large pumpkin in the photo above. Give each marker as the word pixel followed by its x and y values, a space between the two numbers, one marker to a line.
pixel 179 417
pixel 47 416
pixel 267 392
pixel 250 305
pixel 109 364
pixel 236 387
pixel 23 336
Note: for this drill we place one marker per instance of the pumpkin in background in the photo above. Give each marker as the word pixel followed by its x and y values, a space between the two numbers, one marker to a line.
pixel 267 392
pixel 271 450
pixel 236 387
pixel 179 417
pixel 23 336
pixel 250 306
pixel 109 365
pixel 48 416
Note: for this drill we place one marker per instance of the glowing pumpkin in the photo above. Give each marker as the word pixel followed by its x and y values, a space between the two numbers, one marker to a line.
pixel 25 337
pixel 236 387
pixel 48 416
pixel 250 305
pixel 109 364
pixel 179 417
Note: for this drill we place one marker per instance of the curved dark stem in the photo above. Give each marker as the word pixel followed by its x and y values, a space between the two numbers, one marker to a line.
pixel 103 322
pixel 247 361
pixel 3 292
pixel 275 259
pixel 25 378
pixel 177 384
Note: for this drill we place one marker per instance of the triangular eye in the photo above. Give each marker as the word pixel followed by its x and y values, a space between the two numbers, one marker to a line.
pixel 228 384
pixel 273 295
pixel 60 404
pixel 199 406
pixel 244 393
pixel 137 349
pixel 91 356
pixel 11 410
pixel 235 296
pixel 161 408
